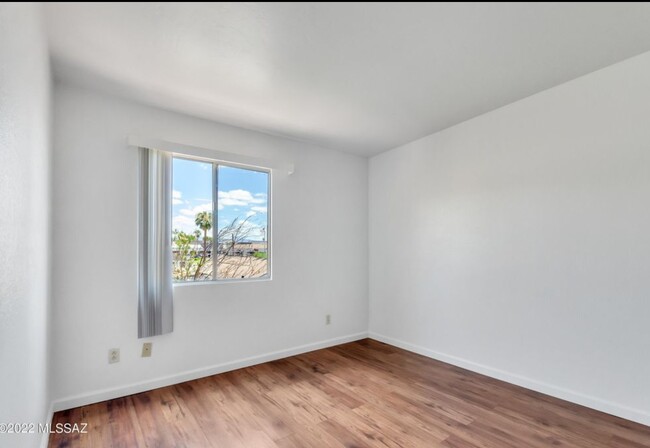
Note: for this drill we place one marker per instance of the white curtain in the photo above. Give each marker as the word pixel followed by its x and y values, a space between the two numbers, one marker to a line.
pixel 155 310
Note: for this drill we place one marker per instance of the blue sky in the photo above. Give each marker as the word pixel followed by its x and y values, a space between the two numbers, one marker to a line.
pixel 242 193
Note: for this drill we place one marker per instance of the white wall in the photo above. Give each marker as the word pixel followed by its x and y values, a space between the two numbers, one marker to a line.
pixel 518 243
pixel 319 254
pixel 24 220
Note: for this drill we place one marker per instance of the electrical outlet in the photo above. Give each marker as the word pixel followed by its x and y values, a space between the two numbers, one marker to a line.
pixel 113 355
pixel 146 349
pixel 328 319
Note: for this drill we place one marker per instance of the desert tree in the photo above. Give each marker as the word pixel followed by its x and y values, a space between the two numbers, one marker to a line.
pixel 203 221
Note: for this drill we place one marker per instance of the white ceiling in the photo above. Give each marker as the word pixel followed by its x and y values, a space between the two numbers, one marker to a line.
pixel 359 77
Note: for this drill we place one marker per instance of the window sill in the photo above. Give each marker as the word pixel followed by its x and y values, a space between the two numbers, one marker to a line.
pixel 222 282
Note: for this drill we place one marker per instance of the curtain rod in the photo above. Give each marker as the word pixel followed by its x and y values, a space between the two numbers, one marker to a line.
pixel 213 154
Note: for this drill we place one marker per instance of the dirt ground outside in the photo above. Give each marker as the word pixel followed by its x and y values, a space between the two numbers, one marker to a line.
pixel 234 266
pixel 230 267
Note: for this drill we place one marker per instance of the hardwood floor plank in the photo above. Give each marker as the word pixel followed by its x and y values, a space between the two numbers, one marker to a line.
pixel 270 418
pixel 125 432
pixel 205 401
pixel 99 430
pixel 182 423
pixel 348 438
pixel 147 408
pixel 60 440
pixel 361 394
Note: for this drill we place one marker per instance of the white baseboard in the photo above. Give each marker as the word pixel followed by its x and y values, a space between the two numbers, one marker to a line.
pixel 636 415
pixel 130 389
pixel 608 407
pixel 45 438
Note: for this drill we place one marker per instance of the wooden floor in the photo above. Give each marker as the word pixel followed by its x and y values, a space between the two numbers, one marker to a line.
pixel 355 395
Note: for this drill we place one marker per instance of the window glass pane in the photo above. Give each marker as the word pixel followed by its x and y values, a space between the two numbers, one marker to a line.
pixel 192 220
pixel 243 223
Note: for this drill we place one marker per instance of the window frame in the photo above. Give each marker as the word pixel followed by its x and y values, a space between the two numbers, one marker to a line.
pixel 216 163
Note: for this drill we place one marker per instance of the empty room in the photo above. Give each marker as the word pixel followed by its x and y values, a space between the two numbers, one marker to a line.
pixel 339 225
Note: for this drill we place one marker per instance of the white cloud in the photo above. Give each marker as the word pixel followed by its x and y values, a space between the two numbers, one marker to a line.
pixel 191 212
pixel 254 211
pixel 255 204
pixel 176 197
pixel 252 231
pixel 241 198
pixel 184 223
